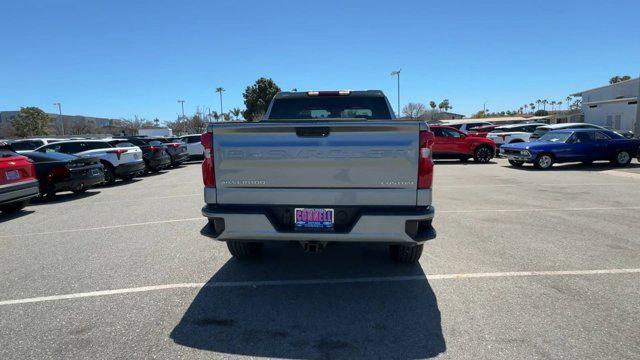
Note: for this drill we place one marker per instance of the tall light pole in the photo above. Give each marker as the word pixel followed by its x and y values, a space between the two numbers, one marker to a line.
pixel 397 73
pixel 60 116
pixel 182 105
pixel 220 90
pixel 484 108
pixel 637 127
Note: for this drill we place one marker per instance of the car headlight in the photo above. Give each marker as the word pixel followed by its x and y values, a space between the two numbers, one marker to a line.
pixel 525 153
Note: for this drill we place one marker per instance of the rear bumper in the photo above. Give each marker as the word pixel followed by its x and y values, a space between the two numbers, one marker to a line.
pixel 407 225
pixel 128 169
pixel 160 162
pixel 20 191
pixel 179 158
pixel 78 182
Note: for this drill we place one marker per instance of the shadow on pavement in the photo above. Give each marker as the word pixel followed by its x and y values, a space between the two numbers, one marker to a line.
pixel 368 319
pixel 596 166
pixel 63 197
pixel 458 162
pixel 18 214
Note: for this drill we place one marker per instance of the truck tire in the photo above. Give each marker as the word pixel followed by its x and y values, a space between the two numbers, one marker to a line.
pixel 244 250
pixel 13 207
pixel 482 154
pixel 406 253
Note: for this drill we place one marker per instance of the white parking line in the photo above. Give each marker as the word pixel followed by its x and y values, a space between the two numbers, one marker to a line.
pixel 318 282
pixel 539 210
pixel 103 227
pixel 143 199
pixel 528 185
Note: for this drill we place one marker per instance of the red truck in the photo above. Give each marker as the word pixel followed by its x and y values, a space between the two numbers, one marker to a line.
pixel 451 143
pixel 17 180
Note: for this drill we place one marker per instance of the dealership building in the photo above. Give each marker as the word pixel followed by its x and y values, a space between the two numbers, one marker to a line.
pixel 614 105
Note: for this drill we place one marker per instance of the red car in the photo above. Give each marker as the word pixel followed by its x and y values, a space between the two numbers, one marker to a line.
pixel 454 144
pixel 481 131
pixel 18 183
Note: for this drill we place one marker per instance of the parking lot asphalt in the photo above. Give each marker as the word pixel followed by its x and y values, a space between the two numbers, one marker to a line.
pixel 527 264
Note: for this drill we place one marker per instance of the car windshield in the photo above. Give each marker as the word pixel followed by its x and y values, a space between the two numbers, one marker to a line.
pixel 556 136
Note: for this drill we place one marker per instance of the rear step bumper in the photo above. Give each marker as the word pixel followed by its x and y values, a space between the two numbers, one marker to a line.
pixel 385 226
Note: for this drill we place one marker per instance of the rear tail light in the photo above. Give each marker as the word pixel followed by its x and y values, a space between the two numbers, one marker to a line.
pixel 59 173
pixel 118 152
pixel 425 161
pixel 208 172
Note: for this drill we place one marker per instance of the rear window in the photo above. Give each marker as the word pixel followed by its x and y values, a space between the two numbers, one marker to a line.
pixel 330 107
pixel 122 144
pixel 155 143
pixel 26 145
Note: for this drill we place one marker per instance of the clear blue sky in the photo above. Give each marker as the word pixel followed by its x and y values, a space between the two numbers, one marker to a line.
pixel 124 58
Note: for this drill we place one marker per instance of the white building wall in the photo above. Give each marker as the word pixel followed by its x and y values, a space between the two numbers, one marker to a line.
pixel 613 106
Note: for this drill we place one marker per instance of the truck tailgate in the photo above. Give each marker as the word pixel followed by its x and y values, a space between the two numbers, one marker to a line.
pixel 362 163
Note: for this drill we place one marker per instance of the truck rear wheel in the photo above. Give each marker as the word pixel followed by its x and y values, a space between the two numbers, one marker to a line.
pixel 244 250
pixel 406 253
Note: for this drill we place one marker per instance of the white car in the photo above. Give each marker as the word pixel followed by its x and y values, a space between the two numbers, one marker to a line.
pixel 26 145
pixel 194 147
pixel 543 129
pixel 121 162
pixel 514 133
pixel 465 127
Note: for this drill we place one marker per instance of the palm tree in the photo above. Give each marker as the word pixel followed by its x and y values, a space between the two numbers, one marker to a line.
pixel 215 115
pixel 544 104
pixel 568 101
pixel 553 104
pixel 559 105
pixel 525 108
pixel 236 112
pixel 539 102
pixel 532 106
pixel 220 90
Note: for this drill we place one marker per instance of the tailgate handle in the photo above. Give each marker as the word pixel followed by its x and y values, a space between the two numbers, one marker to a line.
pixel 313 131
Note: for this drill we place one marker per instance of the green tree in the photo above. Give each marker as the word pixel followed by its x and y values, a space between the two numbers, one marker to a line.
pixel 433 105
pixel 532 106
pixel 257 98
pixel 617 79
pixel 31 121
pixel 236 112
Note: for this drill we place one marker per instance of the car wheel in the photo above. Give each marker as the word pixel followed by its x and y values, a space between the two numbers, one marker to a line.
pixel 109 175
pixel 244 250
pixel 405 253
pixel 516 163
pixel 482 154
pixel 13 207
pixel 623 158
pixel 47 192
pixel 544 161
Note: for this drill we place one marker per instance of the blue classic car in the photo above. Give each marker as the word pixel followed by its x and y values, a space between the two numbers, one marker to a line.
pixel 573 145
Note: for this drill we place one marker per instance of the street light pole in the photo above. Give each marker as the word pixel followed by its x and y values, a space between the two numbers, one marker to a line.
pixel 60 116
pixel 397 73
pixel 182 105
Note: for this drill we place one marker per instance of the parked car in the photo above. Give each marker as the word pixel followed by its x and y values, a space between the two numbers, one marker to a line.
pixel 465 127
pixel 346 171
pixel 573 145
pixel 453 144
pixel 544 129
pixel 481 131
pixel 194 146
pixel 176 149
pixel 514 133
pixel 123 162
pixel 58 172
pixel 25 145
pixel 18 183
pixel 154 152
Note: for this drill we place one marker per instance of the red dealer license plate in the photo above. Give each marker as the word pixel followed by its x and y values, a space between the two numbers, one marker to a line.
pixel 313 219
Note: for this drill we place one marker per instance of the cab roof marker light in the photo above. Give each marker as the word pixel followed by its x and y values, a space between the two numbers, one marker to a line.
pixel 344 92
pixel 313 93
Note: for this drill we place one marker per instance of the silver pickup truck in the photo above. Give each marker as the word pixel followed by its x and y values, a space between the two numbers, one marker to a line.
pixel 322 166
